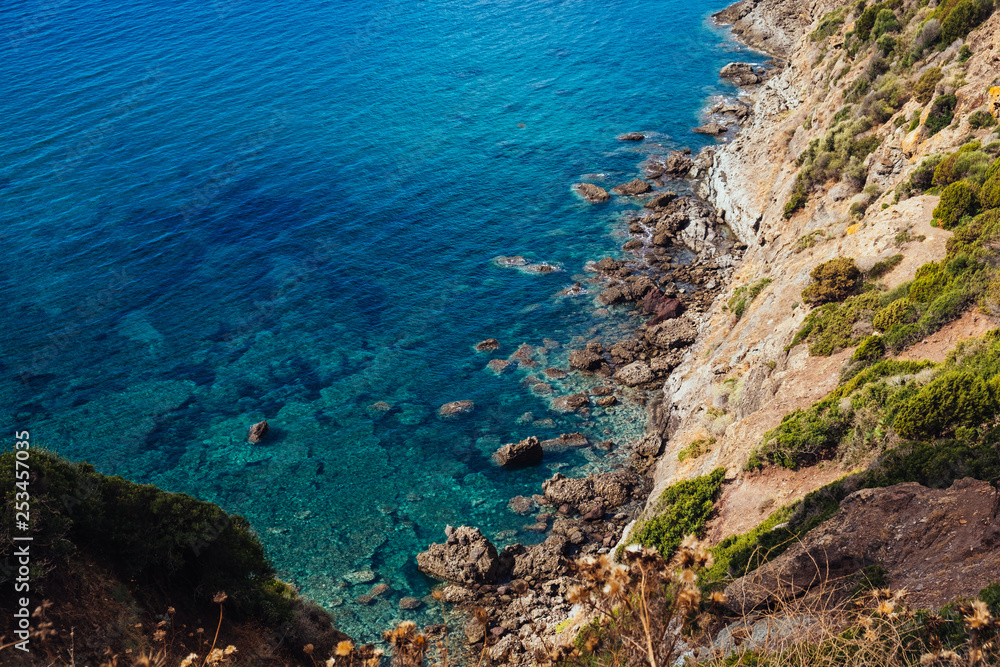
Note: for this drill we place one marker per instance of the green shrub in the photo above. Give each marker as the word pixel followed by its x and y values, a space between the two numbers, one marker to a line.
pixel 956 398
pixel 929 281
pixel 831 326
pixel 885 22
pixel 886 44
pixel 896 312
pixel 994 168
pixel 682 509
pixel 941 114
pixel 802 438
pixel 957 200
pixel 923 90
pixel 884 266
pixel 157 540
pixel 980 119
pixel 863 26
pixel 744 295
pixel 965 16
pixel 695 449
pixel 829 24
pixel 871 349
pixel 834 280
pixel 796 201
pixel 989 194
pixel 923 176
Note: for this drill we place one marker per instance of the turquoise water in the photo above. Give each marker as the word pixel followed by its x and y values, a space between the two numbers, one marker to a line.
pixel 218 212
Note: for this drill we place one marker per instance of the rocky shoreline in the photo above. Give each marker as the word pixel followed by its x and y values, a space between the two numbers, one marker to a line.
pixel 681 257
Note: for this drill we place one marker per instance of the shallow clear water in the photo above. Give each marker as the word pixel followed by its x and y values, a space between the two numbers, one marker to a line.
pixel 218 212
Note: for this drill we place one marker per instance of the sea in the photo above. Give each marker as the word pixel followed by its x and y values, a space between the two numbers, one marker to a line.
pixel 214 212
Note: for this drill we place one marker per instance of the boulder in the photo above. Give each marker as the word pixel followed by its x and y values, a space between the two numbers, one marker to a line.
pixel 661 306
pixel 661 200
pixel 711 128
pixel 592 193
pixel 631 136
pixel 741 74
pixel 635 374
pixel 519 454
pixel 542 561
pixel 677 164
pixel 456 408
pixel 585 360
pixel 634 187
pixel 672 334
pixel 571 403
pixel 467 558
pixel 614 489
pixel 487 345
pixel 258 431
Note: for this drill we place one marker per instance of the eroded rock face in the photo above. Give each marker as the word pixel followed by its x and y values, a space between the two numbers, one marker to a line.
pixel 592 193
pixel 772 26
pixel 258 431
pixel 467 557
pixel 519 454
pixel 939 544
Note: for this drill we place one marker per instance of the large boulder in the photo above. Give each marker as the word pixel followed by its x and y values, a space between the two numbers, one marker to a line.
pixel 661 200
pixel 711 128
pixel 519 454
pixel 585 360
pixel 613 488
pixel 672 334
pixel 467 558
pixel 635 374
pixel 631 136
pixel 634 187
pixel 661 306
pixel 741 74
pixel 592 193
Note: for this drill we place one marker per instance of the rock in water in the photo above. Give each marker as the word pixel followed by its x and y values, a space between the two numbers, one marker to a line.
pixel 466 558
pixel 710 128
pixel 456 408
pixel 592 193
pixel 634 187
pixel 519 454
pixel 258 431
pixel 741 74
pixel 631 136
pixel 661 200
pixel 487 345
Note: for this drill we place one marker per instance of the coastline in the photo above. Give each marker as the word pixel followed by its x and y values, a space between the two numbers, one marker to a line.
pixel 680 249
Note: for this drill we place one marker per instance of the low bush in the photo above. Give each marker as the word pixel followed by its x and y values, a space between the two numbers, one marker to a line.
pixel 744 295
pixel 682 509
pixel 834 280
pixel 831 326
pixel 884 266
pixel 981 119
pixel 923 90
pixel 957 201
pixel 885 22
pixel 870 350
pixel 953 399
pixel 963 18
pixel 989 194
pixel 942 113
pixel 829 24
pixel 896 312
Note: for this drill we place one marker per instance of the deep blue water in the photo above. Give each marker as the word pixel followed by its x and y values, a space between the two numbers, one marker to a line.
pixel 222 211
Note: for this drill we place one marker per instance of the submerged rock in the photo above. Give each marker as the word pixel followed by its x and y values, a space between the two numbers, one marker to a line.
pixel 456 408
pixel 592 193
pixel 258 431
pixel 467 557
pixel 519 454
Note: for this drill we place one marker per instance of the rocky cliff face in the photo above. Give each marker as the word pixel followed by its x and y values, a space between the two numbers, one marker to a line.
pixel 743 376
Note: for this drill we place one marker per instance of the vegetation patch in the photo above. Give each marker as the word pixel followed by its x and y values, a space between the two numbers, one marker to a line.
pixel 696 449
pixel 834 280
pixel 744 295
pixel 682 509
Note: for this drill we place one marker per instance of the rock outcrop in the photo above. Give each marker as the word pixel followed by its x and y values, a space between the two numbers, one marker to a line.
pixel 939 544
pixel 466 557
pixel 258 432
pixel 634 187
pixel 521 454
pixel 592 193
